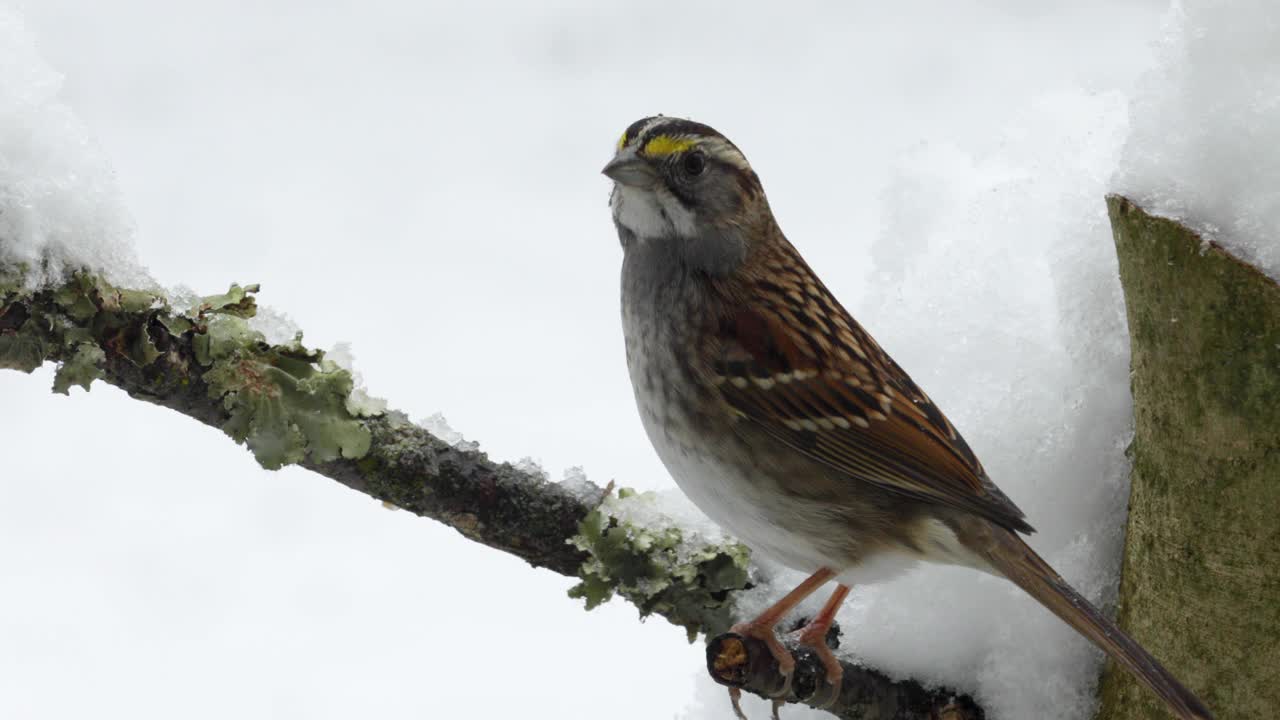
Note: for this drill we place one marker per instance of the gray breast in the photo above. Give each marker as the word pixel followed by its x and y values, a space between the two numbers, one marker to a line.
pixel 775 499
pixel 663 304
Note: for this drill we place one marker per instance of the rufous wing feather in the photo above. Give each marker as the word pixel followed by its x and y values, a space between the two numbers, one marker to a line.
pixel 790 359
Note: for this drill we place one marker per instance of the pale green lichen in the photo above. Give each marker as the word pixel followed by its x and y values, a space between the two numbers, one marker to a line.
pixel 23 351
pixel 661 569
pixel 237 301
pixel 285 402
pixel 82 368
pixel 12 280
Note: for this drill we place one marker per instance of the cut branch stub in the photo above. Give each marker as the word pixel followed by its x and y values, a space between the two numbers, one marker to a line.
pixel 746 663
pixel 292 406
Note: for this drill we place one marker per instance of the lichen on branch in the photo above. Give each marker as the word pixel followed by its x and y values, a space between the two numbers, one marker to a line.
pixel 289 404
pixel 665 570
pixel 285 402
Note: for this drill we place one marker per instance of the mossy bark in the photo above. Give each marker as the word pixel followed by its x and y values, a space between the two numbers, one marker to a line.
pixel 1201 577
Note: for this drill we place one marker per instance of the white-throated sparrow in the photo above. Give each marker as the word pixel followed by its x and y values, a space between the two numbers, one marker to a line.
pixel 784 421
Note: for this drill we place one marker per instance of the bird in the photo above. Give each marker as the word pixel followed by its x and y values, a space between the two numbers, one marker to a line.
pixel 785 422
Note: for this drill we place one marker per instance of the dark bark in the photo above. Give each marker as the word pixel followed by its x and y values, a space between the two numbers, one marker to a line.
pixel 224 375
pixel 491 503
pixel 740 662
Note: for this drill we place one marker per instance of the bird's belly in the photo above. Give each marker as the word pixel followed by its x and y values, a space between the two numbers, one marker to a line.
pixel 738 504
pixel 743 480
pixel 742 493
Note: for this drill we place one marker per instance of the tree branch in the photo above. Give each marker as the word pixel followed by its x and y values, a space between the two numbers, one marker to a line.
pixel 290 405
pixel 742 662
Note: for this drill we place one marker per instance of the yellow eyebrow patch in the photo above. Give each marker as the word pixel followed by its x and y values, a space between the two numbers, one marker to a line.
pixel 667 145
pixel 622 141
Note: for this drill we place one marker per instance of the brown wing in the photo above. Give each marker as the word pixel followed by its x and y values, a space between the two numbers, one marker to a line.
pixel 793 361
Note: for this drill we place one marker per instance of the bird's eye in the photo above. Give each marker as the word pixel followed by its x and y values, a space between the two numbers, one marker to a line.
pixel 694 163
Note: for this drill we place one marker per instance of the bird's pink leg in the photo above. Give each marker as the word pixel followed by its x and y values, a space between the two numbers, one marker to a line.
pixel 762 627
pixel 814 637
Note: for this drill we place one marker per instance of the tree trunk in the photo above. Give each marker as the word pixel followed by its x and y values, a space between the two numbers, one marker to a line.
pixel 1201 584
pixel 1201 577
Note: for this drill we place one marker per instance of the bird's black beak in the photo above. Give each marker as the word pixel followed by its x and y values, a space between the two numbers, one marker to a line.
pixel 631 171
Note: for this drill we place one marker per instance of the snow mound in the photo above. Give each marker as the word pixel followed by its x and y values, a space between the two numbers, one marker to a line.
pixel 1204 127
pixel 59 204
pixel 1010 235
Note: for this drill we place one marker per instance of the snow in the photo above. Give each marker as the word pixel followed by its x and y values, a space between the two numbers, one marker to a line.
pixel 360 403
pixel 575 480
pixel 437 425
pixel 574 476
pixel 531 466
pixel 1205 128
pixel 278 328
pixel 59 205
pixel 666 508
pixel 1002 300
pixel 952 198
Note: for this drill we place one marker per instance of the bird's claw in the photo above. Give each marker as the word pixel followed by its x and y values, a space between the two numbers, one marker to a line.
pixel 735 698
pixel 781 655
pixel 825 694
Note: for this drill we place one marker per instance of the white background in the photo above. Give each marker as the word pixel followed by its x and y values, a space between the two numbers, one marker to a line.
pixel 422 181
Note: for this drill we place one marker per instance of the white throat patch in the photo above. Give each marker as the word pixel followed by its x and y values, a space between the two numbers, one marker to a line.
pixel 651 213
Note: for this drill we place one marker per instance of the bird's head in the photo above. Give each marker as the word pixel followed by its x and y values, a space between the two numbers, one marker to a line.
pixel 682 181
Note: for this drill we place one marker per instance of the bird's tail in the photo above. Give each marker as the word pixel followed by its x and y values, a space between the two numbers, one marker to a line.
pixel 1020 564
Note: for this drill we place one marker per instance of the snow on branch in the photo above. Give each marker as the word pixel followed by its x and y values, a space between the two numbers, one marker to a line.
pixel 291 405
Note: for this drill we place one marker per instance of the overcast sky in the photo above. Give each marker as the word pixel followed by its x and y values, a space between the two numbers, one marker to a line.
pixel 422 180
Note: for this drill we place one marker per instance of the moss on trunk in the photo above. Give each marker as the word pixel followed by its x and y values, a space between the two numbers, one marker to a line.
pixel 1201 578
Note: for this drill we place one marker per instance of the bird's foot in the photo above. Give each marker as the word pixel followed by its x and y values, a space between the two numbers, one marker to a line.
pixel 735 697
pixel 786 662
pixel 763 631
pixel 814 637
